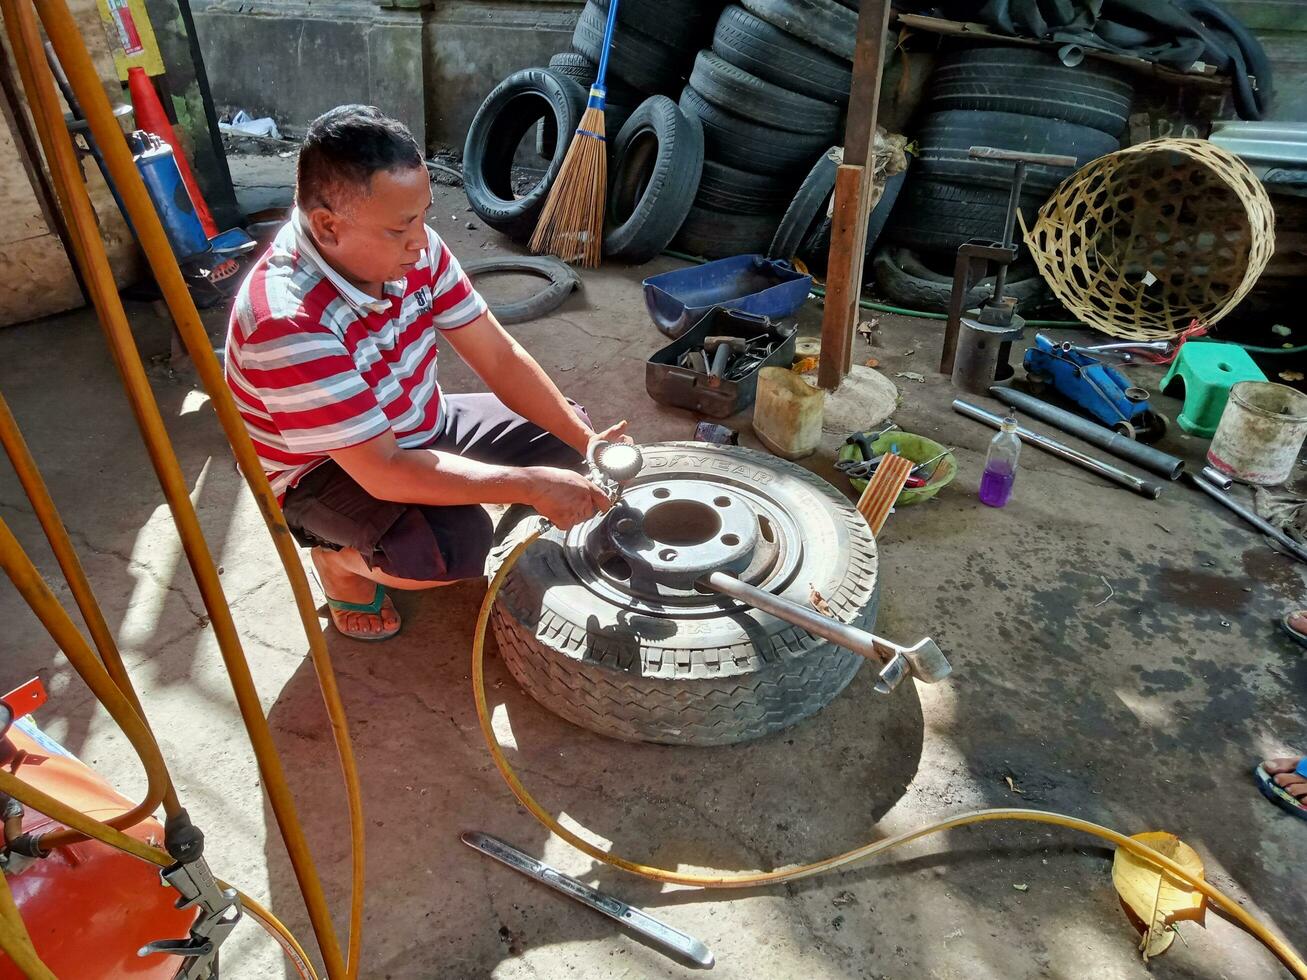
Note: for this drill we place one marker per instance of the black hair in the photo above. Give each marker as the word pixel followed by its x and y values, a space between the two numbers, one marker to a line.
pixel 344 147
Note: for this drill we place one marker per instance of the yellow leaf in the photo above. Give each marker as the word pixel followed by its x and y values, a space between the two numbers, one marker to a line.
pixel 804 364
pixel 1155 897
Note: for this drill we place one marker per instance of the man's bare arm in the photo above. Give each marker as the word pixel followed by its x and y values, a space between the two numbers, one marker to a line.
pixel 517 380
pixel 425 476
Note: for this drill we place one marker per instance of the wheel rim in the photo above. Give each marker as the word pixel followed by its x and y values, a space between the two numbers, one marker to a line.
pixel 646 553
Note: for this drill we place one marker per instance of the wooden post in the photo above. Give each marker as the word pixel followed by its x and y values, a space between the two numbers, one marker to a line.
pixel 853 197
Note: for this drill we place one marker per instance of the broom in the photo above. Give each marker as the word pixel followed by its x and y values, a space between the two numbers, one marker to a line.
pixel 571 225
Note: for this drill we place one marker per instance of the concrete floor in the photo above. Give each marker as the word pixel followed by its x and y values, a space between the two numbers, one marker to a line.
pixel 1144 710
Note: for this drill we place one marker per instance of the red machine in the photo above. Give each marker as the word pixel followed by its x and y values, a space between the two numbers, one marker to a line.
pixel 88 907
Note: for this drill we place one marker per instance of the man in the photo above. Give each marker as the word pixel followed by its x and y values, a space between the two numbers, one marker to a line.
pixel 331 356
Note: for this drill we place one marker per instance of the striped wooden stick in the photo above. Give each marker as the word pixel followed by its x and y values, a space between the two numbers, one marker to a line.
pixel 883 490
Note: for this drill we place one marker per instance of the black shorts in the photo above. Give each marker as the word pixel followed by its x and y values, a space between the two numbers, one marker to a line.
pixel 417 541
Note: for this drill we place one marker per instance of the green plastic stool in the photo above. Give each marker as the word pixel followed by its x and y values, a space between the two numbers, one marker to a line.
pixel 1208 370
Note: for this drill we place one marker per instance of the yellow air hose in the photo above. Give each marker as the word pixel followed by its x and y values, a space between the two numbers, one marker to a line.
pixel 88 250
pixel 90 255
pixel 1227 905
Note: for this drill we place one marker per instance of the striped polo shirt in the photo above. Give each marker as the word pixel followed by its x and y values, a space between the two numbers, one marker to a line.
pixel 316 364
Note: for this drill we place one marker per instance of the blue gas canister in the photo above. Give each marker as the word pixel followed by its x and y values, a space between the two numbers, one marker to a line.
pixel 154 159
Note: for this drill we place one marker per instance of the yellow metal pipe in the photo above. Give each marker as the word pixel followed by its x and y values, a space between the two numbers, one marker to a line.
pixel 62 546
pixel 72 53
pixel 27 580
pixel 81 219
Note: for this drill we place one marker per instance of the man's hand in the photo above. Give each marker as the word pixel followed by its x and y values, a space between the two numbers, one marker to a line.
pixel 565 498
pixel 614 433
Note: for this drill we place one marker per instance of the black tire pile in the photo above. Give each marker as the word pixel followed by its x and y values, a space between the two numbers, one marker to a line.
pixel 1008 97
pixel 760 86
pixel 769 94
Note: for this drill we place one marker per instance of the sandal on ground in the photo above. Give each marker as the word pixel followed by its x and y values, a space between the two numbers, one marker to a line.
pixel 378 603
pixel 1286 624
pixel 1280 796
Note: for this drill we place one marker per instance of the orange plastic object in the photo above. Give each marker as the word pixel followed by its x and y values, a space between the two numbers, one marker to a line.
pixel 150 117
pixel 88 906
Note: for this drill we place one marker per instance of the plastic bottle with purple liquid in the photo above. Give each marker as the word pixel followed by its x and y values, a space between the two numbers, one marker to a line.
pixel 1001 465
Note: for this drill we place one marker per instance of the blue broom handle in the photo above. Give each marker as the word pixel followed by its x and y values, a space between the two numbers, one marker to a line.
pixel 596 100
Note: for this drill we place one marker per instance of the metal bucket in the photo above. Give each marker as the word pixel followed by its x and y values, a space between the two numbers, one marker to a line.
pixel 1261 432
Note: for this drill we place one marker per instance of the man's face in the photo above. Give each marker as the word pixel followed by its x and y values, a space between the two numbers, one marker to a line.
pixel 377 236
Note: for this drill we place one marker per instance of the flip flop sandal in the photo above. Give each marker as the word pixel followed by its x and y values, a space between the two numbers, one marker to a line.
pixel 1295 634
pixel 374 607
pixel 1279 795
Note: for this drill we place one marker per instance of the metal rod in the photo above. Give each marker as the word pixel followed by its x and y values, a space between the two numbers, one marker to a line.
pixel 1009 225
pixel 841 634
pixel 1294 549
pixel 1146 488
pixel 669 940
pixel 1163 464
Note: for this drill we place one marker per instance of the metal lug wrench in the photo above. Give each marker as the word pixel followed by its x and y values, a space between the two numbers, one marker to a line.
pixel 663 936
pixel 924 660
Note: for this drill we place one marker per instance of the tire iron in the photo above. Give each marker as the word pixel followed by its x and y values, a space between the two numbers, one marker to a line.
pixel 661 935
pixel 923 660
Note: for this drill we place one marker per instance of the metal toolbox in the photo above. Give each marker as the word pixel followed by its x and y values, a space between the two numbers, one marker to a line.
pixel 669 383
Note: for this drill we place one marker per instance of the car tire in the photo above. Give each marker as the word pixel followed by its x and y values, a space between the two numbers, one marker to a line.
pixel 754 45
pixel 511 109
pixel 643 63
pixel 829 25
pixel 902 278
pixel 807 208
pixel 935 216
pixel 657 160
pixel 749 145
pixel 734 191
pixel 717 235
pixel 737 91
pixel 583 70
pixel 1031 82
pixel 945 138
pixel 679 24
pixel 562 280
pixel 814 252
pixel 705 679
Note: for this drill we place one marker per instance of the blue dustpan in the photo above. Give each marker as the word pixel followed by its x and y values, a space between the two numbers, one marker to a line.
pixel 750 283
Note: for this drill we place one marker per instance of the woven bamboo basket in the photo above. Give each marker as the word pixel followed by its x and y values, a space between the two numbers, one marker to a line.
pixel 1142 242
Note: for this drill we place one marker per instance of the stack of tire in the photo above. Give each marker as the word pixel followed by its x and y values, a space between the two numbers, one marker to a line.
pixel 769 94
pixel 652 44
pixel 1013 98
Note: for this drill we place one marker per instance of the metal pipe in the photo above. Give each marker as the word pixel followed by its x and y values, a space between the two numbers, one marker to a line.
pixel 1146 488
pixel 1163 464
pixel 1009 225
pixel 1294 549
pixel 1217 478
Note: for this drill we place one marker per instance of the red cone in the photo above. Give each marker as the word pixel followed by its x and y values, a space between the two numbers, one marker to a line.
pixel 151 118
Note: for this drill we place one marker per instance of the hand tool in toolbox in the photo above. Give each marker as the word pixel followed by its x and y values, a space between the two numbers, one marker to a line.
pixel 1107 395
pixel 712 368
pixel 661 935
